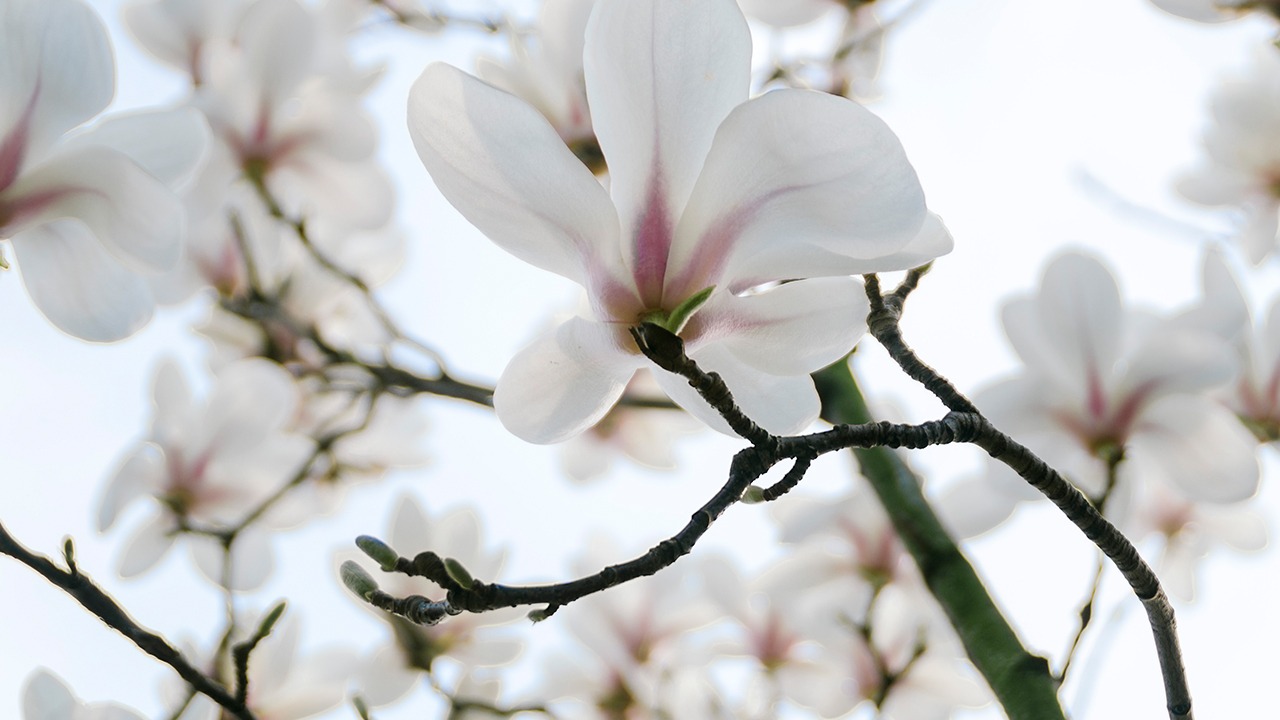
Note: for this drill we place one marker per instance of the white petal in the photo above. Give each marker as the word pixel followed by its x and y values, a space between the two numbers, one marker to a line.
pixel 386 677
pixel 1174 359
pixel 130 212
pixel 793 329
pixel 661 76
pixel 278 39
pixel 564 382
pixel 251 402
pixel 793 178
pixel 252 559
pixel 56 69
pixel 783 405
pixel 786 14
pixel 169 144
pixel 149 543
pixel 500 163
pixel 1258 236
pixel 968 507
pixel 410 531
pixel 79 286
pixel 1200 446
pixel 1216 185
pixel 46 697
pixel 142 472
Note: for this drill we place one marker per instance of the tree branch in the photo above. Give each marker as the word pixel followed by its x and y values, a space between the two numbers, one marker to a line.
pixel 93 599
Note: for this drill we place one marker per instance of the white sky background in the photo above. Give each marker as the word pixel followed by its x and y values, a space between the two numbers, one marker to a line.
pixel 1002 105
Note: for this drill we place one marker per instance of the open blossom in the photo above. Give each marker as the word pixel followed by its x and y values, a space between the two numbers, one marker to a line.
pixel 1100 379
pixel 470 639
pixel 548 75
pixel 709 193
pixel 1241 168
pixel 210 464
pixel 86 220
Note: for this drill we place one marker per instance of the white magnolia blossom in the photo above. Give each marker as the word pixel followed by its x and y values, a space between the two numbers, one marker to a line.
pixel 1188 531
pixel 1241 168
pixel 1100 378
pixel 548 74
pixel 284 683
pixel 646 436
pixel 709 191
pixel 46 697
pixel 471 639
pixel 88 215
pixel 209 464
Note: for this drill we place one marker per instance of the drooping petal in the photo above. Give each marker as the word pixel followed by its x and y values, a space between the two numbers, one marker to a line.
pixel 129 211
pixel 502 165
pixel 46 697
pixel 790 172
pixel 141 473
pixel 56 72
pixel 783 405
pixel 564 382
pixel 661 76
pixel 149 543
pixel 79 286
pixel 793 329
pixel 1200 446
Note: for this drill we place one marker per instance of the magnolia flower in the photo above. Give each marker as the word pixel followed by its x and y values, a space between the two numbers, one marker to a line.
pixel 178 32
pixel 1242 147
pixel 1189 530
pixel 284 683
pixel 286 120
pixel 210 465
pixel 711 195
pixel 85 219
pixel 46 697
pixel 647 436
pixel 548 76
pixel 1100 380
pixel 470 638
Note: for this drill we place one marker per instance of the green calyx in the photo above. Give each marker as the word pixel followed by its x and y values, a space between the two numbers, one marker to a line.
pixel 675 320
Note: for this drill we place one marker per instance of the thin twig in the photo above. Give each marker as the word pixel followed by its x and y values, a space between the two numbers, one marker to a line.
pixel 95 600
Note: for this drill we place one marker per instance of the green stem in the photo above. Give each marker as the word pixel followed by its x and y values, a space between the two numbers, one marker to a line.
pixel 1021 681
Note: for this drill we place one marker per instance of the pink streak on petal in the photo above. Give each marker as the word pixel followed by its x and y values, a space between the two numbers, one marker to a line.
pixel 14 147
pixel 652 242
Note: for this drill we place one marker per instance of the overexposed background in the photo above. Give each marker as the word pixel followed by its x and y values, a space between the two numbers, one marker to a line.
pixel 1014 114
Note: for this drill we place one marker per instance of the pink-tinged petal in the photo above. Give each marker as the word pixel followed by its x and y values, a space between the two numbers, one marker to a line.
pixel 140 474
pixel 1200 446
pixel 56 72
pixel 46 697
pixel 789 13
pixel 661 76
pixel 1174 359
pixel 502 165
pixel 564 382
pixel 148 544
pixel 168 144
pixel 130 212
pixel 78 286
pixel 792 172
pixel 783 405
pixel 793 329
